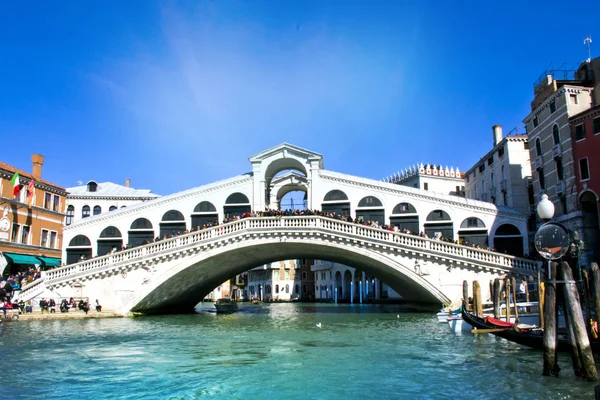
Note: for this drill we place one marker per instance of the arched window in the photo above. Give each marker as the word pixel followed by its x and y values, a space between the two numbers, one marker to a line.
pixel 276 289
pixel 335 195
pixel 112 208
pixel 97 210
pixel 80 240
pixel 538 147
pixel 85 212
pixel 556 134
pixel 287 288
pixel 370 201
pixel 297 289
pixel 70 215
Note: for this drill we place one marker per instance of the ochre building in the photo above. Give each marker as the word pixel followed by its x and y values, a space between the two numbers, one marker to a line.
pixel 30 234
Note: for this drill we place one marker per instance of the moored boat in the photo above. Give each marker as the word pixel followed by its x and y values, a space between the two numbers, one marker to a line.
pixel 226 306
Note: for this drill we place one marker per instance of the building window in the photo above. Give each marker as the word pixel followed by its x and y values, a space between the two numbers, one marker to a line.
pixel 92 186
pixel 563 204
pixel 553 107
pixel 85 212
pixel 44 240
pixel 559 170
pixel 491 160
pixel 276 289
pixel 535 121
pixel 112 208
pixel 573 99
pixel 501 152
pixel 55 203
pixel 97 210
pixel 596 126
pixel 583 169
pixel 53 236
pixel 70 215
pixel 304 275
pixel 25 234
pixel 426 186
pixel 580 132
pixel 538 147
pixel 14 237
pixel 542 179
pixel 526 145
pixel 287 274
pixel 47 200
pixel 556 134
pixel 287 288
pixel 482 167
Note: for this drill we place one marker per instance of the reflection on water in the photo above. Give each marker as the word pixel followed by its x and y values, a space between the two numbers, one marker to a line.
pixel 273 351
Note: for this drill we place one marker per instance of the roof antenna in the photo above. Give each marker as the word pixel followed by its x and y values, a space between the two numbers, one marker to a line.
pixel 588 41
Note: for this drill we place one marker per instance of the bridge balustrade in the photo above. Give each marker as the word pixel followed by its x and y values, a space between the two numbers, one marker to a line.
pixel 261 223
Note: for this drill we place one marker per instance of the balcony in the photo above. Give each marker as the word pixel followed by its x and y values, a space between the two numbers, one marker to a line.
pixel 538 163
pixel 560 188
pixel 557 151
pixel 503 185
pixel 493 191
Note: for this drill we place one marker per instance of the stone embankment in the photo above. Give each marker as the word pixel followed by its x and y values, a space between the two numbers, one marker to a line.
pixel 38 316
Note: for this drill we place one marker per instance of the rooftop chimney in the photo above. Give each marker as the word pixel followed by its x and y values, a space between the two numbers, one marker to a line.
pixel 127 182
pixel 497 129
pixel 38 161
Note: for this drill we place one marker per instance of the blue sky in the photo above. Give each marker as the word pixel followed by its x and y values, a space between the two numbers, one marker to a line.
pixel 179 94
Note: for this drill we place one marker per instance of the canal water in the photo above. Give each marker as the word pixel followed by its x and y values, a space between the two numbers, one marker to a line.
pixel 273 351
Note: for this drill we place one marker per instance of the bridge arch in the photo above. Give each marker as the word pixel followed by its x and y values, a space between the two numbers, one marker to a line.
pixel 508 239
pixel 439 224
pixel 80 247
pixel 140 231
pixel 179 288
pixel 205 213
pixel 473 232
pixel 370 208
pixel 405 217
pixel 110 238
pixel 236 204
pixel 172 224
pixel 336 201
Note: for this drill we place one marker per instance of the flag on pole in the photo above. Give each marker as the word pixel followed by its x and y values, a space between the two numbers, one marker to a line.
pixel 31 193
pixel 16 184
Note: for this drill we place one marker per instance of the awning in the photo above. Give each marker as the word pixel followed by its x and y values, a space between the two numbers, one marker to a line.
pixel 21 258
pixel 50 261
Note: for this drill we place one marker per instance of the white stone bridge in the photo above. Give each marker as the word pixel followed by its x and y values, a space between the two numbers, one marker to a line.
pixel 173 275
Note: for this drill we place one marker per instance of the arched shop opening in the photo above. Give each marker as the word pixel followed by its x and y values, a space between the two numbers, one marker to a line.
pixel 205 213
pixel 110 238
pixel 80 247
pixel 371 209
pixel 405 216
pixel 337 202
pixel 508 239
pixel 140 231
pixel 473 232
pixel 236 205
pixel 172 224
pixel 439 224
pixel 590 228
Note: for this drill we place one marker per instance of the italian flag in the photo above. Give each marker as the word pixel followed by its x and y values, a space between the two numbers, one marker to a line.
pixel 16 184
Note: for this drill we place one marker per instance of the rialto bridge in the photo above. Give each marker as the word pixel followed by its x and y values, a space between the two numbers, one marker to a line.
pixel 174 274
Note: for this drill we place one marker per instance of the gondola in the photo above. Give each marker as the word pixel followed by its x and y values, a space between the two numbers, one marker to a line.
pixel 533 338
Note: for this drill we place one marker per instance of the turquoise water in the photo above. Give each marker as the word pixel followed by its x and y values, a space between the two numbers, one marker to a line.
pixel 272 351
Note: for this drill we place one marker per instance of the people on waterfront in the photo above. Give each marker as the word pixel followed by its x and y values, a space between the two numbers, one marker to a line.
pixel 44 305
pixel 3 306
pixel 52 306
pixel 64 306
pixel 84 306
pixel 98 306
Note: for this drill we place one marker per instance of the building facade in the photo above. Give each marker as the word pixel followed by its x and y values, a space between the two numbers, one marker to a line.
pixel 336 282
pixel 276 281
pixel 548 126
pixel 585 136
pixel 434 178
pixel 31 229
pixel 95 198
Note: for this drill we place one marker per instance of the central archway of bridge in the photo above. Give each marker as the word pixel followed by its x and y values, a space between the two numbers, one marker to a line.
pixel 196 278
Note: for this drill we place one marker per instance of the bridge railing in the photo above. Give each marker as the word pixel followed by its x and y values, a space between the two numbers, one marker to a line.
pixel 290 223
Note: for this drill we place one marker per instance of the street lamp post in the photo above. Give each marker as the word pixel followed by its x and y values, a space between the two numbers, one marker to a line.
pixel 545 210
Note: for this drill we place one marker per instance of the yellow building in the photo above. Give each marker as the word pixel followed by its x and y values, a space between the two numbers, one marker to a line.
pixel 30 234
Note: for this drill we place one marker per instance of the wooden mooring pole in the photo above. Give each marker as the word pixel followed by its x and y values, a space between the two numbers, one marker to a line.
pixel 496 298
pixel 596 291
pixel 477 304
pixel 507 298
pixel 541 298
pixel 513 284
pixel 551 367
pixel 466 295
pixel 573 304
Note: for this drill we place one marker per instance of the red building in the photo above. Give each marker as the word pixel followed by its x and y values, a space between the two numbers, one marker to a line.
pixel 585 134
